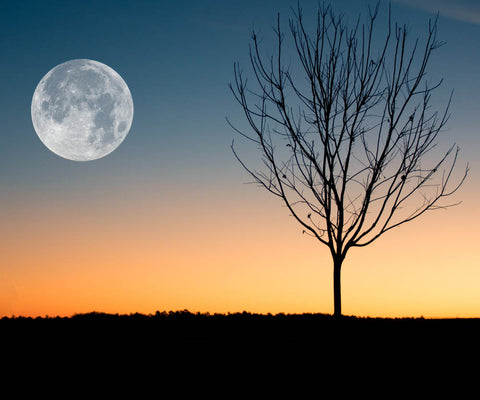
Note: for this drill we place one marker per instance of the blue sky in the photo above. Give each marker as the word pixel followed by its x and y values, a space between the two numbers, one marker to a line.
pixel 177 59
pixel 462 10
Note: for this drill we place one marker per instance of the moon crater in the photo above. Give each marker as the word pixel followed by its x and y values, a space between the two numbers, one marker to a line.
pixel 82 110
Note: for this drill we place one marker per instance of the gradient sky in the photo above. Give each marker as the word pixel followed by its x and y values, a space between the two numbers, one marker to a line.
pixel 166 222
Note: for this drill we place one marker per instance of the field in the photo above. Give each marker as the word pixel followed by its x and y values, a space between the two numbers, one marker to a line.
pixel 313 347
pixel 184 329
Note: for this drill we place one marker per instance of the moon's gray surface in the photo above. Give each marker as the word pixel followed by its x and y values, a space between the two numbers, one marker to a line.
pixel 82 110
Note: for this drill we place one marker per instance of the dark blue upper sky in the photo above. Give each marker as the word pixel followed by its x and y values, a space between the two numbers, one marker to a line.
pixel 177 59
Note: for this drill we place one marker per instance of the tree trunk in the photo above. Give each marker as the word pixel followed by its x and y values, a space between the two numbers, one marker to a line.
pixel 337 293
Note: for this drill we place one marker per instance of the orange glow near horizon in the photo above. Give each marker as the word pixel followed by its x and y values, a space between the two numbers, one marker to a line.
pixel 225 253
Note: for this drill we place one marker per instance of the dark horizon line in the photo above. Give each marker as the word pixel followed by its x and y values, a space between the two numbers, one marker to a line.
pixel 187 313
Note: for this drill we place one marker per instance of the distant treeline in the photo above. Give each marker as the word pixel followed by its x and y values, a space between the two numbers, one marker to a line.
pixel 246 327
pixel 186 314
pixel 171 314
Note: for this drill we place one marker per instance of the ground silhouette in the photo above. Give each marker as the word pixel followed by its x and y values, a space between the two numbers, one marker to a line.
pixel 234 353
pixel 243 329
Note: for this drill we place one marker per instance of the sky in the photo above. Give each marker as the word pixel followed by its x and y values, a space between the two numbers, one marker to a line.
pixel 167 221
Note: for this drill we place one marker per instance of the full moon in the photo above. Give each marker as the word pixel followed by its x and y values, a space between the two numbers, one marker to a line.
pixel 82 110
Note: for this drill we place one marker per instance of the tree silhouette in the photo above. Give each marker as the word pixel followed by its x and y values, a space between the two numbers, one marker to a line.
pixel 345 129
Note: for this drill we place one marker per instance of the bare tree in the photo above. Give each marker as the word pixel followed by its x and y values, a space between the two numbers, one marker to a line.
pixel 345 129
